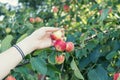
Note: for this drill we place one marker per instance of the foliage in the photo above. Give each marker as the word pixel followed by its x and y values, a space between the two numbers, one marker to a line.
pixel 93 25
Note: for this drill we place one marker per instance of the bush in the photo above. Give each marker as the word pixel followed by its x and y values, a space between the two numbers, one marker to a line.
pixel 93 26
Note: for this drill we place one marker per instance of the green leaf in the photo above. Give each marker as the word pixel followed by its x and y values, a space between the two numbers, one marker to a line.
pixel 39 65
pixel 52 70
pixel 94 6
pixel 98 74
pixel 6 42
pixel 102 73
pixel 104 14
pixel 111 55
pixel 76 70
pixel 22 37
pixel 84 62
pixel 92 75
pixel 94 56
pixel 22 70
pixel 51 58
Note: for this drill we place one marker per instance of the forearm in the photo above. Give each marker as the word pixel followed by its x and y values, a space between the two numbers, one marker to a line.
pixel 11 58
pixel 37 40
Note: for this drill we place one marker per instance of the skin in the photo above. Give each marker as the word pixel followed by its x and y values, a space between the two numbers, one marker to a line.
pixel 39 39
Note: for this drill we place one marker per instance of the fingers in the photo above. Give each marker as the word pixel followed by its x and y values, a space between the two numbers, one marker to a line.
pixel 52 29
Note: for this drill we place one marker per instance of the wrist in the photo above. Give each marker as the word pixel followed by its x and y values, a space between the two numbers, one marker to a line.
pixel 27 45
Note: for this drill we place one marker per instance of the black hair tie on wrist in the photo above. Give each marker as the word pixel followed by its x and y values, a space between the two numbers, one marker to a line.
pixel 19 50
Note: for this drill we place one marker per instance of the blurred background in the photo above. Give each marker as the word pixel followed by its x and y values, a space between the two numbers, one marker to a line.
pixel 92 25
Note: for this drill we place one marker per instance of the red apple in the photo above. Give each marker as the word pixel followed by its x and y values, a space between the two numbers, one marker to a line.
pixel 32 20
pixel 55 9
pixel 60 45
pixel 60 59
pixel 66 8
pixel 38 19
pixel 56 35
pixel 10 78
pixel 116 76
pixel 69 46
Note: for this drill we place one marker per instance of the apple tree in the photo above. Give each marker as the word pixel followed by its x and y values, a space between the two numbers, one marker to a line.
pixel 92 25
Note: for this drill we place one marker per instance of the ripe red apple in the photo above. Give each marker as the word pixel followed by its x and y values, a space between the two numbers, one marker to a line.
pixel 10 78
pixel 60 59
pixel 56 35
pixel 38 19
pixel 66 8
pixel 116 76
pixel 69 46
pixel 55 9
pixel 60 45
pixel 32 20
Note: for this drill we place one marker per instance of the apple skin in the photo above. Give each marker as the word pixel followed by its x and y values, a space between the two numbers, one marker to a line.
pixel 69 46
pixel 56 35
pixel 66 8
pixel 55 9
pixel 10 78
pixel 38 19
pixel 116 76
pixel 60 45
pixel 32 20
pixel 60 59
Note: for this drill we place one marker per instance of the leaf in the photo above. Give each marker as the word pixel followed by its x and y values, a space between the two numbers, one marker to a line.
pixel 92 75
pixel 94 6
pixel 84 62
pixel 22 37
pixel 111 55
pixel 39 65
pixel 104 14
pixel 52 70
pixel 98 74
pixel 51 58
pixel 94 56
pixel 102 73
pixel 76 70
pixel 6 42
pixel 22 70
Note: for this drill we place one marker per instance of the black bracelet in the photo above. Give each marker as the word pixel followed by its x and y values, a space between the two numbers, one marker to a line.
pixel 19 50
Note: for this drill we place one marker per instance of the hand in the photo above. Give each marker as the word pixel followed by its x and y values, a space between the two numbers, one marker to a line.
pixel 42 38
pixel 39 39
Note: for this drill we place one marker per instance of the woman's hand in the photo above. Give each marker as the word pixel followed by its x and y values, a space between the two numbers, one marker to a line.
pixel 42 38
pixel 39 39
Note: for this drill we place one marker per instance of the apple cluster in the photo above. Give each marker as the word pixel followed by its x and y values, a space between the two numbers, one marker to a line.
pixel 35 20
pixel 66 8
pixel 60 45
